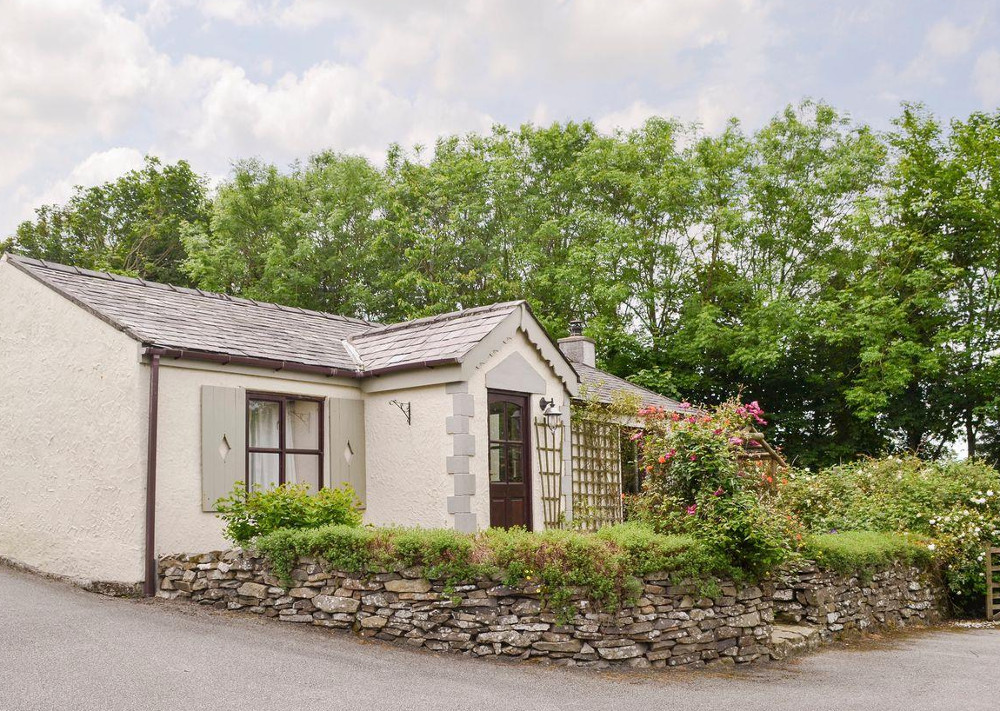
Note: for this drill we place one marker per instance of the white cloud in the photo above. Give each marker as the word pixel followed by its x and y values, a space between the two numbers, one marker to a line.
pixel 946 39
pixel 944 43
pixel 69 67
pixel 87 87
pixel 327 106
pixel 632 116
pixel 986 79
pixel 95 169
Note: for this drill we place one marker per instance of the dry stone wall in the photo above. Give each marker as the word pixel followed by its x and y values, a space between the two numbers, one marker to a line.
pixel 670 624
pixel 836 603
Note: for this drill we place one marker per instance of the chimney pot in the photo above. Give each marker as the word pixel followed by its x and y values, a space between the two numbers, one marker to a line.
pixel 578 348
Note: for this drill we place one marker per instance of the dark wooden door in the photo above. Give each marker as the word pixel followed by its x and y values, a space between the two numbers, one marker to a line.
pixel 510 463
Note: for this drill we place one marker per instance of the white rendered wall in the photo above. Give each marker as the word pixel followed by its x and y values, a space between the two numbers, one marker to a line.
pixel 72 437
pixel 408 484
pixel 479 465
pixel 181 525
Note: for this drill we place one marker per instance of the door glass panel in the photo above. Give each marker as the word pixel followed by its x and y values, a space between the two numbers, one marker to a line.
pixel 303 469
pixel 514 471
pixel 264 470
pixel 514 428
pixel 496 460
pixel 302 424
pixel 496 420
pixel 264 418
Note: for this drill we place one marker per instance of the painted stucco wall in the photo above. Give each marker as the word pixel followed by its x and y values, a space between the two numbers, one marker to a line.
pixel 73 398
pixel 407 479
pixel 479 464
pixel 181 524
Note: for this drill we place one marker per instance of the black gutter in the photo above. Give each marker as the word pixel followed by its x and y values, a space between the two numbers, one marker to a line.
pixel 267 363
pixel 151 579
pixel 291 366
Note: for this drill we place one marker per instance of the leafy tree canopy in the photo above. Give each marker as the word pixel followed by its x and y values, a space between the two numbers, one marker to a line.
pixel 846 278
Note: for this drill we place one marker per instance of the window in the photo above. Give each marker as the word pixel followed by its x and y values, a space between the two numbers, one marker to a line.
pixel 284 440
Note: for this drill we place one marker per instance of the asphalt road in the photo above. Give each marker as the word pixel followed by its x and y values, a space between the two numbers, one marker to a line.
pixel 63 648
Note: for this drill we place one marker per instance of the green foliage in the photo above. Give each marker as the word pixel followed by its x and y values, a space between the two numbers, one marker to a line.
pixel 132 225
pixel 954 505
pixel 695 484
pixel 560 564
pixel 865 552
pixel 289 506
pixel 848 276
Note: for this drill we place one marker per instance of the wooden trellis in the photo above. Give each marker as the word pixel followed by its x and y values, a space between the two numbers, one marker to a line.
pixel 764 455
pixel 549 444
pixel 597 473
pixel 992 584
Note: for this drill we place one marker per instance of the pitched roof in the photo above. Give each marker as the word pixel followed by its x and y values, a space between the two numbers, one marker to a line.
pixel 165 316
pixel 444 338
pixel 200 322
pixel 603 386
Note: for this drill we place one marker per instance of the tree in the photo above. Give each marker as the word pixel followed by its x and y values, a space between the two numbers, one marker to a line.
pixel 131 225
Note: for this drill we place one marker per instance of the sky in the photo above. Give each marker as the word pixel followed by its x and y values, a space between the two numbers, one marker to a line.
pixel 87 88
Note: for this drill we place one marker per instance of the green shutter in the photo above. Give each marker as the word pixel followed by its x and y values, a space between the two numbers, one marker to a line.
pixel 223 442
pixel 347 444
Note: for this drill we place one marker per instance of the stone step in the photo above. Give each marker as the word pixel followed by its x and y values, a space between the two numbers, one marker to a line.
pixel 787 640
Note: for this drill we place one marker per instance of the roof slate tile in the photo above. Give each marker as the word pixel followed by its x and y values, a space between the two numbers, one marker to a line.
pixel 165 316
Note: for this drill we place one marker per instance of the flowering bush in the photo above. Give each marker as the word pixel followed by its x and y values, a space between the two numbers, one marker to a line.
pixel 956 505
pixel 695 484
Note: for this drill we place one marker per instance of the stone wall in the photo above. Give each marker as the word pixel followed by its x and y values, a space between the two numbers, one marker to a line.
pixel 836 603
pixel 670 625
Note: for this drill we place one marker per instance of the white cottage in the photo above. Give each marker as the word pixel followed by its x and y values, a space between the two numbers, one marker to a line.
pixel 128 408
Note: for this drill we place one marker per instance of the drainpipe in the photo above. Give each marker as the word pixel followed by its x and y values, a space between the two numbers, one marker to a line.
pixel 151 579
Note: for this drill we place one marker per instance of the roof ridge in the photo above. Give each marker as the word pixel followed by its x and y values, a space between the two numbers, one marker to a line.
pixel 239 300
pixel 438 318
pixel 634 385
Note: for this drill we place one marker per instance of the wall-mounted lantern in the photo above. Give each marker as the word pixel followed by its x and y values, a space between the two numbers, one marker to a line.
pixel 553 416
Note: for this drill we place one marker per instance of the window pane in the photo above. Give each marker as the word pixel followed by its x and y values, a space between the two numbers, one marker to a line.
pixel 496 420
pixel 303 469
pixel 302 424
pixel 514 428
pixel 263 470
pixel 264 417
pixel 495 463
pixel 514 464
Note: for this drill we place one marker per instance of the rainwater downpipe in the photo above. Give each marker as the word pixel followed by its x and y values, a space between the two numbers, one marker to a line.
pixel 151 579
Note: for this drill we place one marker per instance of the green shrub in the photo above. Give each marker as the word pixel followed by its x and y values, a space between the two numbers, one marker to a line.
pixel 956 505
pixel 603 567
pixel 249 514
pixel 695 485
pixel 865 552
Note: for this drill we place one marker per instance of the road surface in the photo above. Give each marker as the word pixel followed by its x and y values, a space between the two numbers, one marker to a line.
pixel 63 648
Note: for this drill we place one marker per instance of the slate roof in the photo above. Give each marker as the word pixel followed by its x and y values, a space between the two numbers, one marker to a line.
pixel 603 386
pixel 191 320
pixel 447 337
pixel 165 316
